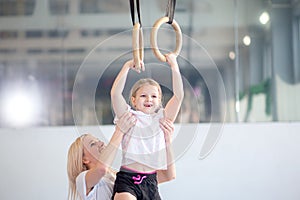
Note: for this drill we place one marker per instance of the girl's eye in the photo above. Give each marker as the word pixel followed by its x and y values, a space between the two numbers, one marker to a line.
pixel 154 96
pixel 142 95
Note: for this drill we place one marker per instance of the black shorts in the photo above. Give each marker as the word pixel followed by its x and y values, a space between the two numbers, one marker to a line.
pixel 142 186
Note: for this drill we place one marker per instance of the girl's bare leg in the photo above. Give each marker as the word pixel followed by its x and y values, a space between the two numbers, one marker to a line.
pixel 124 196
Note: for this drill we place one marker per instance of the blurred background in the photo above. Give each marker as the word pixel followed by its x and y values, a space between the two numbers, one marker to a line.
pixel 247 50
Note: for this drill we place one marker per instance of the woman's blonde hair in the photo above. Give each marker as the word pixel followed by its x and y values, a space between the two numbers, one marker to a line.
pixel 140 83
pixel 75 165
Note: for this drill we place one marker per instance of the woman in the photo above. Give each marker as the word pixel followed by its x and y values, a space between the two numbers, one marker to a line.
pixel 89 161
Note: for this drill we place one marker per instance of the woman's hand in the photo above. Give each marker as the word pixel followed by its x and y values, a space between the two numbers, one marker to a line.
pixel 168 128
pixel 125 122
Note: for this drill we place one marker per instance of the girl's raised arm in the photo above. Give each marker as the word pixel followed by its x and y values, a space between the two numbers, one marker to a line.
pixel 173 106
pixel 118 101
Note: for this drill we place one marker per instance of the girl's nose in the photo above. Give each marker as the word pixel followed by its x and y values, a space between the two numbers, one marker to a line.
pixel 149 98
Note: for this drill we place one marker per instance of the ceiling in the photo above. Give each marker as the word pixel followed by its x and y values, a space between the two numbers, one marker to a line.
pixel 55 30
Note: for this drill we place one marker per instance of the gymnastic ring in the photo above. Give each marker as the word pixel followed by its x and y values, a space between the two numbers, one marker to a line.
pixel 137 45
pixel 153 38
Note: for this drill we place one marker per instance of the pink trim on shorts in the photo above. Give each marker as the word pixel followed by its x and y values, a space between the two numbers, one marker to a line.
pixel 136 171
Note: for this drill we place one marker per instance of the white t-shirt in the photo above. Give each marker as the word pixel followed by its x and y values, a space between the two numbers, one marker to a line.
pixel 101 191
pixel 145 142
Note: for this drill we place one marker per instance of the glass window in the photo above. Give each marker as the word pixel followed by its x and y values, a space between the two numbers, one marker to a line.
pixel 58 59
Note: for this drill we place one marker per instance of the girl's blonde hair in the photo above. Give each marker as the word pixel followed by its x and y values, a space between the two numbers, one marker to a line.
pixel 140 83
pixel 75 165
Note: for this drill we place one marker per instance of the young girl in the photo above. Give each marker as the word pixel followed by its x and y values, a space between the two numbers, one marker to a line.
pixel 144 151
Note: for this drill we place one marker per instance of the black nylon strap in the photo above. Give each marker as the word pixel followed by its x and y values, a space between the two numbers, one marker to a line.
pixel 131 2
pixel 132 11
pixel 170 10
pixel 138 11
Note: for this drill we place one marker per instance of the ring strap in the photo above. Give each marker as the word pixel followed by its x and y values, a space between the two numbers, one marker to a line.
pixel 170 10
pixel 132 11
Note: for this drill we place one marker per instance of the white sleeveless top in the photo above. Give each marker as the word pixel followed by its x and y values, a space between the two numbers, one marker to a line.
pixel 145 142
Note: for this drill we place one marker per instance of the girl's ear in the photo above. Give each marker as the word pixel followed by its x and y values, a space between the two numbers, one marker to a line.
pixel 133 101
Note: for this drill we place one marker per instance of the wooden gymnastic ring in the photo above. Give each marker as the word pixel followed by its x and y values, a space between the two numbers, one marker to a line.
pixel 153 38
pixel 137 45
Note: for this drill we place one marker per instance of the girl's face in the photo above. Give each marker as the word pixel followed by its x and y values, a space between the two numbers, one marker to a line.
pixel 92 149
pixel 147 99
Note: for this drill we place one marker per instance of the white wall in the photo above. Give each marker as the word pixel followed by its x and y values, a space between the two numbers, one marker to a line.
pixel 250 161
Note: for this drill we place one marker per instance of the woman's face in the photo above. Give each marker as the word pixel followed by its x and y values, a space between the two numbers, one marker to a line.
pixel 147 99
pixel 92 149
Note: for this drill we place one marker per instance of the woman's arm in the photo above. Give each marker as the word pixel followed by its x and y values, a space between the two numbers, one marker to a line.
pixel 107 156
pixel 170 173
pixel 173 105
pixel 97 172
